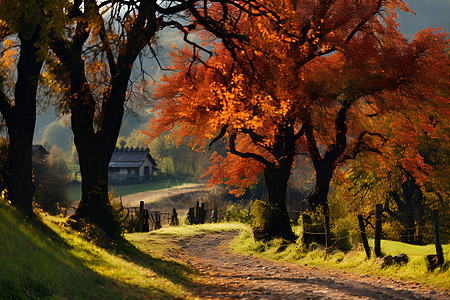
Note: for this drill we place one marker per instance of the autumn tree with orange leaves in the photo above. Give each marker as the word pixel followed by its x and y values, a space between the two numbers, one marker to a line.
pixel 303 78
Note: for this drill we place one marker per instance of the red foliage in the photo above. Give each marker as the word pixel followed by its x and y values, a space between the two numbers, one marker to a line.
pixel 332 70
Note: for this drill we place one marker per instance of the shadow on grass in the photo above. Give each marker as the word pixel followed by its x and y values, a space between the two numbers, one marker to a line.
pixel 37 263
pixel 171 270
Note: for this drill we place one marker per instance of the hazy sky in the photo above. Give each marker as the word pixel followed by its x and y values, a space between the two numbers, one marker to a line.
pixel 429 13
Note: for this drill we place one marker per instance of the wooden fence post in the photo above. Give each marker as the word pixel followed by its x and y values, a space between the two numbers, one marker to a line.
pixel 140 225
pixel 157 220
pixel 174 220
pixel 326 211
pixel 191 216
pixel 145 224
pixel 197 213
pixel 437 237
pixel 378 228
pixel 362 228
pixel 202 217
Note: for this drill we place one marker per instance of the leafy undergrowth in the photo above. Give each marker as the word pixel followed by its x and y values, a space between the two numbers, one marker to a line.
pixel 355 260
pixel 46 260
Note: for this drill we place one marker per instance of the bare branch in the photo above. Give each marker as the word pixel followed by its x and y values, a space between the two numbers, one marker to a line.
pixel 157 61
pixel 179 26
pixel 105 41
pixel 362 146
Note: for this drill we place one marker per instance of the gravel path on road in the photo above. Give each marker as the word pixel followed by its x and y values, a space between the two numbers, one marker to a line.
pixel 228 275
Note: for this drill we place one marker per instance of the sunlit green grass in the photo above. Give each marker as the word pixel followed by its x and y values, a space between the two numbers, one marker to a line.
pixel 40 262
pixel 159 242
pixel 354 261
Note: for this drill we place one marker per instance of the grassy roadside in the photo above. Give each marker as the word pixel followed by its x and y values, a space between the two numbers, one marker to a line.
pixel 48 261
pixel 355 260
pixel 157 243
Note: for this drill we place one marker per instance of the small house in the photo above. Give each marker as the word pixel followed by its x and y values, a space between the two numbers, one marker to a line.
pixel 39 153
pixel 131 165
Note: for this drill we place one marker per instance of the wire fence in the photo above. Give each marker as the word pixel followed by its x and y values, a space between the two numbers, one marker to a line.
pixel 416 233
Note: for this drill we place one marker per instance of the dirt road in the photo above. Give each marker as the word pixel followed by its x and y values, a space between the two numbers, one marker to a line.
pixel 227 275
pixel 154 196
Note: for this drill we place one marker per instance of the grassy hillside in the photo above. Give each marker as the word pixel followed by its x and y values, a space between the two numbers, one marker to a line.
pixel 51 262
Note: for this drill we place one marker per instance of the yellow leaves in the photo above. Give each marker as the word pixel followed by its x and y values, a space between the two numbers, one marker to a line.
pixel 258 53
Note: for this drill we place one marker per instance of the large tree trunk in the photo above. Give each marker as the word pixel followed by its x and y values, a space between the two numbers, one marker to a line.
pixel 20 121
pixel 318 199
pixel 278 222
pixel 94 152
pixel 410 211
pixel 94 205
pixel 325 166
pixel 96 122
pixel 20 170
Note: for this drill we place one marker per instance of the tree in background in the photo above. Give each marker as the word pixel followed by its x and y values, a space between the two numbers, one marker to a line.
pixel 300 77
pixel 57 134
pixel 409 177
pixel 24 28
pixel 52 182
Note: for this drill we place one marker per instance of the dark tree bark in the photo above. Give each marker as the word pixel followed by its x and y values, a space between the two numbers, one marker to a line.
pixel 410 210
pixel 96 133
pixel 20 120
pixel 276 181
pixel 276 177
pixel 325 166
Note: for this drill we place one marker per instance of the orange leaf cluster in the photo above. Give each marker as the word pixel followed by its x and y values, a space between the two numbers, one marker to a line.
pixel 302 63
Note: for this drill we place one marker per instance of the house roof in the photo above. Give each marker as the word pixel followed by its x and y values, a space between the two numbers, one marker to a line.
pixel 130 158
pixel 39 149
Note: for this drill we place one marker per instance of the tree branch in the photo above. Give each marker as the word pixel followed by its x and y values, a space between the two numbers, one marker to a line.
pixel 233 150
pixel 364 21
pixel 299 134
pixel 335 150
pixel 171 10
pixel 361 146
pixel 311 141
pixel 221 135
pixel 180 27
pixel 105 41
pixel 256 138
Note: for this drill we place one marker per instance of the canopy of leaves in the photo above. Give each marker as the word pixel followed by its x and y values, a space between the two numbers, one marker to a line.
pixel 332 70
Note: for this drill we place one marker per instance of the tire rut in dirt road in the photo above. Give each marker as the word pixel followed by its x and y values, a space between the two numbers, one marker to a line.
pixel 228 275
